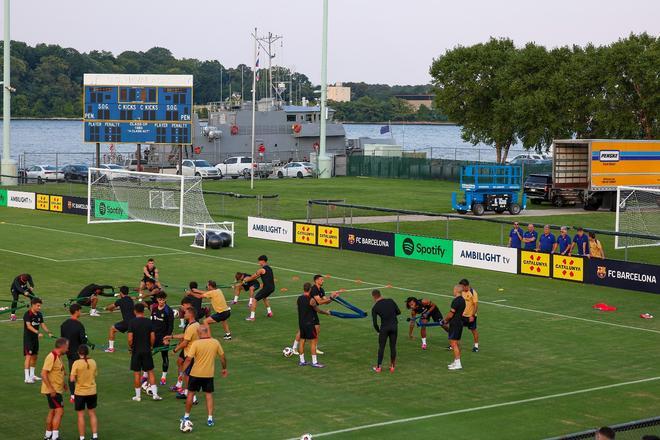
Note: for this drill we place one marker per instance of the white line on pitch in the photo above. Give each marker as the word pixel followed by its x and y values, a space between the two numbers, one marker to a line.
pixel 119 257
pixel 29 255
pixel 335 277
pixel 484 407
pixel 499 300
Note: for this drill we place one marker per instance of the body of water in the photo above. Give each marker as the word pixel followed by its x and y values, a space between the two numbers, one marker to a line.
pixel 39 140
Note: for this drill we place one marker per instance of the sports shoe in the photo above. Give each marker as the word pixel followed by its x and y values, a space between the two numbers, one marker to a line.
pixel 176 388
pixel 12 317
pixel 269 315
pixel 391 368
pixel 182 325
pixel 449 348
pixel 72 399
pixel 227 337
pixel 475 349
pixel 109 350
pixel 249 319
pixel 233 301
pixel 376 369
pixel 195 401
pixel 303 364
pixel 94 313
pixel 319 351
pixel 156 397
pixel 210 423
pixel 318 365
pixel 180 395
pixel 455 366
pixel 163 381
pixel 36 378
pixel 423 346
pixel 136 399
pixel 295 351
pixel 29 380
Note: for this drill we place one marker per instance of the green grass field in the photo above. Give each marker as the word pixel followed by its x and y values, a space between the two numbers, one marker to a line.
pixel 548 365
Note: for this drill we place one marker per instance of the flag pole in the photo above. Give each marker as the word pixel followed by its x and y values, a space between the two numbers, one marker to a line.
pixel 254 104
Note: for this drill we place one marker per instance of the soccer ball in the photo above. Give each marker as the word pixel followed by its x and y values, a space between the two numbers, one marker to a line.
pixel 145 386
pixel 176 313
pixel 186 425
pixel 306 437
pixel 287 352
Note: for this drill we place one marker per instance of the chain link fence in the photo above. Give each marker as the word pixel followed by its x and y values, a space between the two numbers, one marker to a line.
pixel 647 429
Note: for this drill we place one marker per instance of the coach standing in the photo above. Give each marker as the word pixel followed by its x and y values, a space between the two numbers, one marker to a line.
pixel 455 319
pixel 387 310
pixel 547 241
pixel 515 236
pixel 529 238
pixel 73 330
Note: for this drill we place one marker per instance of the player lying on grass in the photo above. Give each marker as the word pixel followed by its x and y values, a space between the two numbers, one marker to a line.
pixel 83 375
pixel 33 319
pixel 149 273
pixel 265 273
pixel 125 305
pixel 308 311
pixel 426 310
pixel 242 285
pixel 222 311
pixel 89 296
pixel 141 338
pixel 186 339
pixel 22 285
pixel 53 385
pixel 318 293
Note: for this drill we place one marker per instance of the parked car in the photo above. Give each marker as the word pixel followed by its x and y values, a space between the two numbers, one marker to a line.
pixel 132 164
pixel 239 166
pixel 111 167
pixel 200 168
pixel 43 173
pixel 538 188
pixel 296 169
pixel 532 156
pixel 75 173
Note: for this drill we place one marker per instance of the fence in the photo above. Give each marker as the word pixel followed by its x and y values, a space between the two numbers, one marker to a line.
pixel 636 430
pixel 418 168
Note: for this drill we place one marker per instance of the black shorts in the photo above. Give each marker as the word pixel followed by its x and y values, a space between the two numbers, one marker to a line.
pixel 142 362
pixel 146 278
pixel 264 293
pixel 54 402
pixel 121 326
pixel 247 287
pixel 435 316
pixel 30 346
pixel 201 313
pixel 219 317
pixel 455 331
pixel 197 384
pixel 470 325
pixel 308 332
pixel 82 402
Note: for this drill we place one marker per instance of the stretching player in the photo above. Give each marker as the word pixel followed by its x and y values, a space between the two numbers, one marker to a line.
pixel 126 305
pixel 318 293
pixel 248 287
pixel 201 312
pixel 470 315
pixel 53 386
pixel 187 337
pixel 89 296
pixel 149 273
pixel 32 319
pixel 149 298
pixel 73 330
pixel 219 304
pixel 455 320
pixel 265 273
pixel 141 340
pixel 83 373
pixel 22 285
pixel 162 320
pixel 308 311
pixel 428 311
pixel 388 311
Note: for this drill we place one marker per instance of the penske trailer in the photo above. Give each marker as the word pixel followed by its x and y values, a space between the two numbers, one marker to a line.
pixel 589 171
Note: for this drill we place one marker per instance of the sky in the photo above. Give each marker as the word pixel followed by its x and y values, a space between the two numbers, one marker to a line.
pixel 375 41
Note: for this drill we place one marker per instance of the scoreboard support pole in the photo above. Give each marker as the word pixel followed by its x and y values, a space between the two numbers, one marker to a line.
pixel 98 155
pixel 180 159
pixel 138 156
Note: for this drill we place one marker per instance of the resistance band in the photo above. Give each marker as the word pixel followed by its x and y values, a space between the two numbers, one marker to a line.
pixel 358 313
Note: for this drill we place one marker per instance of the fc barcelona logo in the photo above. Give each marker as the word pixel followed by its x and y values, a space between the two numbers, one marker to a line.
pixel 601 272
pixel 351 238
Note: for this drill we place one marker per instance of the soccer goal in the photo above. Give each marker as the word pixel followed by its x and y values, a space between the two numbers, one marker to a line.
pixel 637 212
pixel 132 196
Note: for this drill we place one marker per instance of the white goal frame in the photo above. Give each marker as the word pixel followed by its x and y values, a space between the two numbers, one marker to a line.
pixel 621 206
pixel 203 228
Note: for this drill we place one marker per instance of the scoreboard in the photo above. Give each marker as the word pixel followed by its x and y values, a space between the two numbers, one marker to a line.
pixel 147 109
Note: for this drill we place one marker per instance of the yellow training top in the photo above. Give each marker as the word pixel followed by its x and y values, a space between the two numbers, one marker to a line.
pixel 190 335
pixel 218 301
pixel 53 364
pixel 85 373
pixel 471 299
pixel 204 351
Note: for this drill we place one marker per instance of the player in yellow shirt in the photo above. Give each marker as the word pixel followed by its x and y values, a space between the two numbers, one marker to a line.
pixel 52 386
pixel 83 373
pixel 201 362
pixel 221 310
pixel 188 336
pixel 470 314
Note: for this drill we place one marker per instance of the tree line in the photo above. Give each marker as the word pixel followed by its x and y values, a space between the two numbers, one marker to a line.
pixel 501 95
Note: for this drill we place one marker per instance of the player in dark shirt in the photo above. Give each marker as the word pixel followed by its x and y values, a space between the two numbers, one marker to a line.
pixel 141 338
pixel 241 285
pixel 308 311
pixel 149 273
pixel 318 293
pixel 73 330
pixel 22 285
pixel 125 305
pixel 387 310
pixel 428 310
pixel 147 295
pixel 201 312
pixel 455 320
pixel 265 273
pixel 32 320
pixel 88 296
pixel 162 320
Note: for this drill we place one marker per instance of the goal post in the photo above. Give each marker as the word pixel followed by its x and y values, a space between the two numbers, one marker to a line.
pixel 135 196
pixel 637 212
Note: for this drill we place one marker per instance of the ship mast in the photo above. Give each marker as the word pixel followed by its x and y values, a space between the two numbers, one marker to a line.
pixel 266 43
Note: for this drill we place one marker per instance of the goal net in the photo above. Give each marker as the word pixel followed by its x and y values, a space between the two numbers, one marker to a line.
pixel 638 212
pixel 162 199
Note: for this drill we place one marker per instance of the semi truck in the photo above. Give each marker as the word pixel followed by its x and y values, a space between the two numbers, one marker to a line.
pixel 589 171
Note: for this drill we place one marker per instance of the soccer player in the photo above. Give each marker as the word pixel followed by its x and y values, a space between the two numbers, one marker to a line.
pixel 515 236
pixel 308 311
pixel 187 337
pixel 32 320
pixel 547 241
pixel 89 296
pixel 387 310
pixel 126 306
pixel 22 285
pixel 529 238
pixel 74 332
pixel 605 433
pixel 265 273
pixel 162 319
pixel 564 241
pixel 149 298
pixel 53 386
pixel 149 273
pixel 83 373
pixel 455 319
pixel 428 310
pixel 581 243
pixel 219 304
pixel 201 312
pixel 471 298
pixel 141 338
pixel 200 361
pixel 318 293
pixel 248 287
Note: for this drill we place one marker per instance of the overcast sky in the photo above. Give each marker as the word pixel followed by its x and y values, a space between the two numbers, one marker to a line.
pixel 376 41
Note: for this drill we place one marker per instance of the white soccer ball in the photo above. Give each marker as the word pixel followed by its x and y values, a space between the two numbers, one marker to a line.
pixel 176 313
pixel 306 437
pixel 187 426
pixel 287 352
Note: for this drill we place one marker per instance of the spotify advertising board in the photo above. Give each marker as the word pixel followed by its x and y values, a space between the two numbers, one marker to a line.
pixel 415 247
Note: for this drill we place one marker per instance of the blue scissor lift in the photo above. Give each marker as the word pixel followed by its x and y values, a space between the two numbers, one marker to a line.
pixel 490 188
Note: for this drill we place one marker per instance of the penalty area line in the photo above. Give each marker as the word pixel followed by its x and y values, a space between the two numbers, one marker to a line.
pixel 484 407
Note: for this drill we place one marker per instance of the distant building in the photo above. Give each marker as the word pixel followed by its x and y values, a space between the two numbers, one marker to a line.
pixel 339 93
pixel 416 101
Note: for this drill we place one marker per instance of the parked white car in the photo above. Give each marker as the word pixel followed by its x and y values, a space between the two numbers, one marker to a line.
pixel 43 173
pixel 532 156
pixel 200 168
pixel 111 167
pixel 296 169
pixel 238 166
